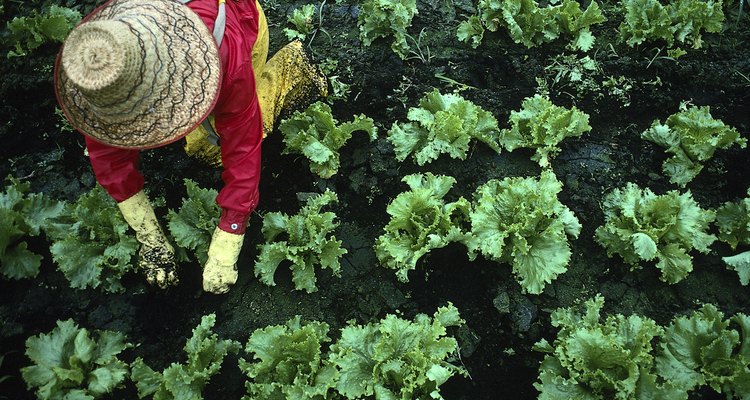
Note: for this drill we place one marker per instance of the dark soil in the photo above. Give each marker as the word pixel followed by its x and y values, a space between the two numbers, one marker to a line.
pixel 502 323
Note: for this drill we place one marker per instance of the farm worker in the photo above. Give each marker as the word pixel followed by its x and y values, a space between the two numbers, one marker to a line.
pixel 139 74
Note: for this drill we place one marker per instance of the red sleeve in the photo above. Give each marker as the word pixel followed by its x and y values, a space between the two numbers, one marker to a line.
pixel 237 112
pixel 115 169
pixel 239 126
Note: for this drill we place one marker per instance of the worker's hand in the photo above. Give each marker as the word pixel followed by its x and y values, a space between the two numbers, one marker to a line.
pixel 156 255
pixel 158 264
pixel 220 271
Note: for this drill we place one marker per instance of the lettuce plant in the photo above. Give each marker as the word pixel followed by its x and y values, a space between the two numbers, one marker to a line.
pixel 397 358
pixel 384 18
pixel 305 239
pixel 740 263
pixel 692 136
pixel 595 359
pixel 541 125
pixel 634 358
pixel 29 32
pixel 645 20
pixel 472 30
pixel 733 222
pixel 22 215
pixel 193 224
pixel 92 244
pixel 315 134
pixel 442 124
pixel 521 221
pixel 642 226
pixel 205 353
pixel 290 362
pixel 682 21
pixel 70 364
pixel 421 220
pixel 302 19
pixel 531 25
pixel 706 349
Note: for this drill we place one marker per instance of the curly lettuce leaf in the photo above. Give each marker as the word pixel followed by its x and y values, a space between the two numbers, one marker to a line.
pixel 733 221
pixel 528 23
pixel 521 221
pixel 614 358
pixel 690 18
pixel 306 239
pixel 642 226
pixel 92 244
pixel 442 124
pixel 205 354
pixel 397 358
pixel 421 220
pixel 740 263
pixel 193 225
pixel 69 363
pixel 471 31
pixel 599 358
pixel 302 19
pixel 578 23
pixel 692 136
pixel 702 349
pixel 26 33
pixel 645 20
pixel 315 134
pixel 531 25
pixel 22 215
pixel 384 18
pixel 541 125
pixel 681 21
pixel 288 362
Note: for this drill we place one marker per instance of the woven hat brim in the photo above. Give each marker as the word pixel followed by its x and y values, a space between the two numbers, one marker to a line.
pixel 165 109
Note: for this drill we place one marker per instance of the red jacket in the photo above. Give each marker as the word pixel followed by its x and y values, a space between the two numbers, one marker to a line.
pixel 238 123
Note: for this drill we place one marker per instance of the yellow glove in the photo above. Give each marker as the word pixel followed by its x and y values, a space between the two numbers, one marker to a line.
pixel 220 271
pixel 156 255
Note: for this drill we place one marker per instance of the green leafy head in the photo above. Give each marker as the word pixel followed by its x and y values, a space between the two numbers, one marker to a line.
pixel 69 363
pixel 521 221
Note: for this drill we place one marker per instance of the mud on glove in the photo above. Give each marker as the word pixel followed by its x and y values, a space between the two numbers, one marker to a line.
pixel 156 255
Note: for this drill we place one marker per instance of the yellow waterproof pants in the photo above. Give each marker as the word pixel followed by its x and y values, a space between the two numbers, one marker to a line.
pixel 283 83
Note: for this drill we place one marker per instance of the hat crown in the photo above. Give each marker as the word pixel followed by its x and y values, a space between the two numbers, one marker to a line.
pixel 99 58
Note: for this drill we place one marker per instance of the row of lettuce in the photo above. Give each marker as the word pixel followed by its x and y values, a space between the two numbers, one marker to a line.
pixel 593 357
pixel 514 220
pixel 674 24
pixel 680 22
pixel 394 358
pixel 448 124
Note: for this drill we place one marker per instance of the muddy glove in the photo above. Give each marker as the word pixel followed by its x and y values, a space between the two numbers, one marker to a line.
pixel 220 271
pixel 156 255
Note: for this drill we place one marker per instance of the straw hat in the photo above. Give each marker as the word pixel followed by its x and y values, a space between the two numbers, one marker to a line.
pixel 138 73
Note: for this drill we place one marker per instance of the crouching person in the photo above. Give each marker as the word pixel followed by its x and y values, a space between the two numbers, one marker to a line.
pixel 140 74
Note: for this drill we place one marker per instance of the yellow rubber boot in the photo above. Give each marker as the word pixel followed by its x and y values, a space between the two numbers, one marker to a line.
pixel 220 271
pixel 286 82
pixel 156 255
